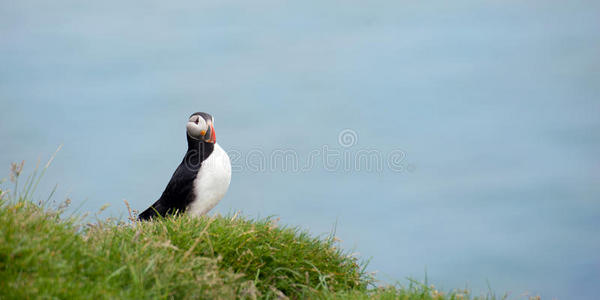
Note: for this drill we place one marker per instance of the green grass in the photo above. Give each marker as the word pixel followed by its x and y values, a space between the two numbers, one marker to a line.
pixel 44 254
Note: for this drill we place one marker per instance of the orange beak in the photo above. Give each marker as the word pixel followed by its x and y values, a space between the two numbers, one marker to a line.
pixel 213 135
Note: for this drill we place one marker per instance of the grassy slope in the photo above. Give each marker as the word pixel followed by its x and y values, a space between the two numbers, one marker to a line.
pixel 44 255
pixel 183 257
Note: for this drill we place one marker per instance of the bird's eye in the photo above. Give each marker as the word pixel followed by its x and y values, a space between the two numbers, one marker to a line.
pixel 197 121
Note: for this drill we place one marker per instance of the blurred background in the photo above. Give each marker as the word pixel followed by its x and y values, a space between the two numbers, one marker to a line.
pixel 494 105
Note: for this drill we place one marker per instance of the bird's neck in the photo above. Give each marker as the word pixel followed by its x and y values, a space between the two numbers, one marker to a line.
pixel 198 150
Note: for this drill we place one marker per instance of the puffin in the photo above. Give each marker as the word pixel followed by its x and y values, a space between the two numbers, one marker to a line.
pixel 202 178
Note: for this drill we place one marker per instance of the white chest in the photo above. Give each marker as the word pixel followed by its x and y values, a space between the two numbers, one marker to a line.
pixel 211 183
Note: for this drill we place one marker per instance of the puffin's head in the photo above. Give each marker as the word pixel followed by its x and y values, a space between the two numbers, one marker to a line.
pixel 200 127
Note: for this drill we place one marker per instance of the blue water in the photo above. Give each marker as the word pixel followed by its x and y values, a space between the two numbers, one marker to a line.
pixel 494 106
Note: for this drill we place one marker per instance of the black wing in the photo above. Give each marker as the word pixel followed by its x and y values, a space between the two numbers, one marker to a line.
pixel 177 195
pixel 156 209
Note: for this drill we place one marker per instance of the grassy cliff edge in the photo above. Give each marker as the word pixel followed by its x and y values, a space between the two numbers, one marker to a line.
pixel 44 254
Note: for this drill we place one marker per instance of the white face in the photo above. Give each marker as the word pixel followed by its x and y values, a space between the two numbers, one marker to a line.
pixel 196 127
